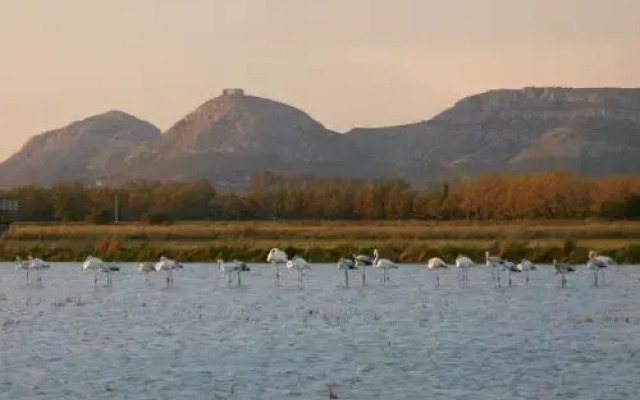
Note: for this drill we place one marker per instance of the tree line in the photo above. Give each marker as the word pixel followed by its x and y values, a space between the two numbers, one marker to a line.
pixel 554 195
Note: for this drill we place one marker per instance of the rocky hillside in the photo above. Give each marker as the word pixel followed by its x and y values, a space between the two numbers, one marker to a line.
pixel 84 150
pixel 233 135
pixel 590 131
pixel 593 131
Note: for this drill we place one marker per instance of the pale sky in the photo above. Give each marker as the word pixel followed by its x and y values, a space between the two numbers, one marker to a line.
pixel 347 63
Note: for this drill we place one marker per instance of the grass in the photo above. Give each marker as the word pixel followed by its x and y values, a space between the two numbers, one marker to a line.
pixel 406 241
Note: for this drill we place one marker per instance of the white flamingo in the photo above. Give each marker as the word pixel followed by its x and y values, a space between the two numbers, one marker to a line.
pixel 384 264
pixel 363 261
pixel 598 263
pixel 277 257
pixel 96 265
pixel 37 265
pixel 436 264
pixel 510 267
pixel 234 266
pixel 464 263
pixel 496 263
pixel 347 264
pixel 300 265
pixel 167 265
pixel 563 270
pixel 525 266
pixel 22 265
pixel 146 268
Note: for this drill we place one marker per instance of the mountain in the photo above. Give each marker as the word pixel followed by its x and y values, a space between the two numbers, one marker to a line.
pixel 233 135
pixel 84 150
pixel 591 131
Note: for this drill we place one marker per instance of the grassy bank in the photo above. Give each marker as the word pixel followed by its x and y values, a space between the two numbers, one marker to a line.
pixel 325 241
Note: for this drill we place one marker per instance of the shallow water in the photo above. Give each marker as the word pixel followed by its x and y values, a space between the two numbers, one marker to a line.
pixel 203 340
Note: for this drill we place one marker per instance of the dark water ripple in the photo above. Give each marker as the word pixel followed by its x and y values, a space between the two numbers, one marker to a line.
pixel 202 340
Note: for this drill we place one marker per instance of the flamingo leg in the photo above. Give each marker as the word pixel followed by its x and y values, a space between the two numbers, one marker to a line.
pixel 602 270
pixel 499 283
pixel 277 275
pixel 95 279
pixel 171 276
pixel 509 273
pixel 564 280
pixel 239 279
pixel 437 279
pixel 38 279
pixel 364 275
pixel 346 278
pixel 27 278
pixel 595 277
pixel 229 276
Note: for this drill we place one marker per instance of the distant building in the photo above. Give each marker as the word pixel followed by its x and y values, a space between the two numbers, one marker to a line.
pixel 233 92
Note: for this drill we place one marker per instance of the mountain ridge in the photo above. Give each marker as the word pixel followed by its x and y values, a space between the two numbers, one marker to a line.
pixel 229 137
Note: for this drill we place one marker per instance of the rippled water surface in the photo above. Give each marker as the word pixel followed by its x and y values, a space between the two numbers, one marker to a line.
pixel 203 340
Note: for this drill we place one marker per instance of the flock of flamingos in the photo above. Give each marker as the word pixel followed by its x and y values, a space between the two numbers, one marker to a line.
pixel 596 263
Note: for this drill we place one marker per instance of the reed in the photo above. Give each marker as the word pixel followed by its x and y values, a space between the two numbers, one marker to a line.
pixel 325 241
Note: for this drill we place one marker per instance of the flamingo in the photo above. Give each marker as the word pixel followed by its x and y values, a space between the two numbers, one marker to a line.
pixel 300 265
pixel 510 267
pixel 496 263
pixel 276 257
pixel 347 264
pixel 464 263
pixel 167 265
pixel 436 264
pixel 96 265
pixel 23 266
pixel 231 267
pixel 525 266
pixel 37 265
pixel 145 268
pixel 384 264
pixel 562 269
pixel 598 263
pixel 363 261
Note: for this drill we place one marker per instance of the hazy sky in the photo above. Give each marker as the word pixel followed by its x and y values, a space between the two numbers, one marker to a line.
pixel 346 62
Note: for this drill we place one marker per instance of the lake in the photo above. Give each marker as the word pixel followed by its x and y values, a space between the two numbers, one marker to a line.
pixel 203 340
